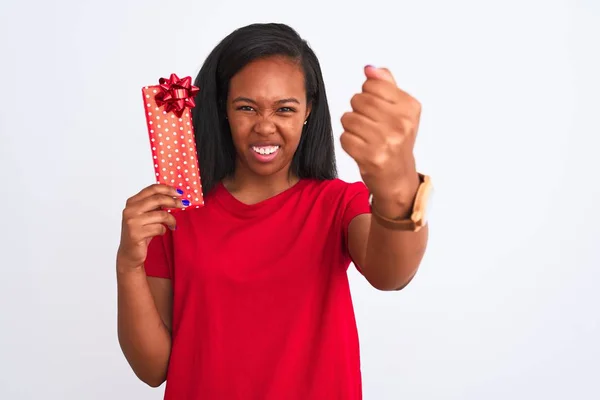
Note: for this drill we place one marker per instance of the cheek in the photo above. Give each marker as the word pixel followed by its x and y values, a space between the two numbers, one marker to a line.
pixel 291 131
pixel 292 141
pixel 240 130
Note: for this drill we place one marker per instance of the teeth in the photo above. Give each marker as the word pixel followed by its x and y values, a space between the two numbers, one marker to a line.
pixel 265 150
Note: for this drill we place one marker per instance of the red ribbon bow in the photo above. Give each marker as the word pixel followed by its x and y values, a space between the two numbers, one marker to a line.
pixel 176 94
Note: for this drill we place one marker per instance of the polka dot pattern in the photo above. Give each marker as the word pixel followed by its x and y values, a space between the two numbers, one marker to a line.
pixel 173 146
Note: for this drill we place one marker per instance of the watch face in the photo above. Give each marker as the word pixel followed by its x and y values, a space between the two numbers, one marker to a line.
pixel 428 205
pixel 424 204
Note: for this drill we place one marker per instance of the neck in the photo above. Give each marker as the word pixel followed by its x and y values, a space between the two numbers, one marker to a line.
pixel 252 188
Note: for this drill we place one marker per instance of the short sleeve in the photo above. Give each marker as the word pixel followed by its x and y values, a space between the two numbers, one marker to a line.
pixel 356 203
pixel 159 260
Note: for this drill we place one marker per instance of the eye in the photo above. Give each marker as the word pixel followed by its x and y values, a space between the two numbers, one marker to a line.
pixel 245 108
pixel 286 109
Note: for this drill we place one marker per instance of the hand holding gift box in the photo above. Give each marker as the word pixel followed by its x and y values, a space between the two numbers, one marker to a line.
pixel 168 115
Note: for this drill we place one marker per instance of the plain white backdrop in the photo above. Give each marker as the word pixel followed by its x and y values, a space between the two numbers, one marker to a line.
pixel 506 304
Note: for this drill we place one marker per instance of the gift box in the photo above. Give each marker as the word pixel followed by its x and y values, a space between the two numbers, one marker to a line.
pixel 168 108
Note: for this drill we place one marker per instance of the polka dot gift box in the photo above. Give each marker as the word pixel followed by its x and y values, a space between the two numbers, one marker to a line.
pixel 168 108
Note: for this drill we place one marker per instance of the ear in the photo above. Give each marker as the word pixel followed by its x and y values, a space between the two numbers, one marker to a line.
pixel 308 110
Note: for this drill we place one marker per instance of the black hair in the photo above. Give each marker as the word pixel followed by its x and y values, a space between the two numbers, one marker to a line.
pixel 314 158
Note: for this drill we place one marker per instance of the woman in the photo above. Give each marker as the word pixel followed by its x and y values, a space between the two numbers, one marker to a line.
pixel 248 296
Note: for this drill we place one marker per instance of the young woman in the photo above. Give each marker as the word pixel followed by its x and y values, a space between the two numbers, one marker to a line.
pixel 248 296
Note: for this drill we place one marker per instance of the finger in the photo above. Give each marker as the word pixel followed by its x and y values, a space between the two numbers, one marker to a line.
pixel 137 232
pixel 150 231
pixel 158 217
pixel 357 124
pixel 372 106
pixel 353 145
pixel 157 188
pixel 382 89
pixel 384 74
pixel 157 202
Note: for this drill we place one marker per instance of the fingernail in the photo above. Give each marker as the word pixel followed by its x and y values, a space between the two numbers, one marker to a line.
pixel 370 66
pixel 185 202
pixel 179 191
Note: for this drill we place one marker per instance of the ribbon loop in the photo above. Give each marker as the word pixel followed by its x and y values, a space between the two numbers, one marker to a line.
pixel 176 94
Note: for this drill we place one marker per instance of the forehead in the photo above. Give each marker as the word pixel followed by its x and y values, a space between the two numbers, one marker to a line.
pixel 270 78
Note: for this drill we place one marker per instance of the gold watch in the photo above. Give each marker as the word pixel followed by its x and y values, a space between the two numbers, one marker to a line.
pixel 419 212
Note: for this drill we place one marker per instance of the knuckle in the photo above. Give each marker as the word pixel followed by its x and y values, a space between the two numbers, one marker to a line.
pixel 371 102
pixel 373 86
pixel 379 159
pixel 406 126
pixel 155 188
pixel 346 117
pixel 395 145
pixel 399 126
pixel 355 100
pixel 129 222
pixel 416 105
pixel 344 140
pixel 344 120
pixel 166 216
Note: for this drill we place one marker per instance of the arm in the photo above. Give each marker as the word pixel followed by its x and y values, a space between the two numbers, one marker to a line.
pixel 144 320
pixel 388 258
pixel 144 303
pixel 379 134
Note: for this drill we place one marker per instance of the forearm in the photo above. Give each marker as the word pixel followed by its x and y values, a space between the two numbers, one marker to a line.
pixel 393 256
pixel 144 338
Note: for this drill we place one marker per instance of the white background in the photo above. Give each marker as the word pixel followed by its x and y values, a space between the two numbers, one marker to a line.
pixel 506 304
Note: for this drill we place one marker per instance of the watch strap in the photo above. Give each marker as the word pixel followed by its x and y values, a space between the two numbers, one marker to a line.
pixel 416 220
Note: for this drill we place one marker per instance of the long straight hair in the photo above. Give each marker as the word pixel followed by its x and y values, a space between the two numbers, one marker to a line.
pixel 315 156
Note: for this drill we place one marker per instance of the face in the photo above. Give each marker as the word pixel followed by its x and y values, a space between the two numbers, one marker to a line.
pixel 266 108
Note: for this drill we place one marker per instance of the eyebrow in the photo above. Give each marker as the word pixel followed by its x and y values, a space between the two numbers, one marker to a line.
pixel 282 101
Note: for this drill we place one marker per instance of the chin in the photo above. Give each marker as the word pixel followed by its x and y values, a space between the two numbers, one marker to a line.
pixel 266 166
pixel 267 170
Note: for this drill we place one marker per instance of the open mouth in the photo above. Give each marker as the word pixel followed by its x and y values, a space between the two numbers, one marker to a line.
pixel 265 153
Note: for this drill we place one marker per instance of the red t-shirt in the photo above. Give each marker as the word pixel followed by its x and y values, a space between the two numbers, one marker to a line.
pixel 262 307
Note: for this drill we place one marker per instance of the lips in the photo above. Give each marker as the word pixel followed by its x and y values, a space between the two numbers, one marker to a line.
pixel 265 153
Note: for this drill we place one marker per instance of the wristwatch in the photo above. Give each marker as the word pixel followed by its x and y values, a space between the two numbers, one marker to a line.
pixel 419 212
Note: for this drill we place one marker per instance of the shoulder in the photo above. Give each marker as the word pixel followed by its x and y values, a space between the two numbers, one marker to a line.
pixel 336 194
pixel 337 187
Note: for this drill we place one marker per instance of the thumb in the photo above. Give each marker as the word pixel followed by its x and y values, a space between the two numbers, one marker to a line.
pixel 372 72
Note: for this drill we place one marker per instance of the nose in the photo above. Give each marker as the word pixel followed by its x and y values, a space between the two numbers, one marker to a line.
pixel 265 127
